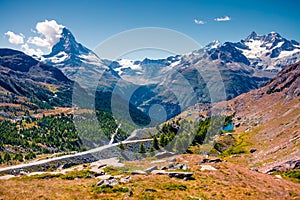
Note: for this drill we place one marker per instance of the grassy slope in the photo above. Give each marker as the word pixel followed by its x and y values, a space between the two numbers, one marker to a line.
pixel 269 125
pixel 230 181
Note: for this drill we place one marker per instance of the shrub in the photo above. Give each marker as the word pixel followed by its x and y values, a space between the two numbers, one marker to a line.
pixel 30 156
pixel 293 175
pixel 175 187
pixel 43 176
pixel 77 174
pixel 121 146
pixel 108 189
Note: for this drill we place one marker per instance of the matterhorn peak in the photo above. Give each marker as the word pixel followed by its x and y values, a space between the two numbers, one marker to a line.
pixel 68 45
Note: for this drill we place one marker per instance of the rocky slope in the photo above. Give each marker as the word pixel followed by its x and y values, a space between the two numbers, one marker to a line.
pixel 26 81
pixel 268 121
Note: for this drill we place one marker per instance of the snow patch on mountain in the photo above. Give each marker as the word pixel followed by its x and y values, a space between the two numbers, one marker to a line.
pixel 284 54
pixel 60 57
pixel 128 64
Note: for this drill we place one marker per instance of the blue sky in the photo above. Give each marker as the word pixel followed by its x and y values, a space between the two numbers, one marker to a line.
pixel 93 21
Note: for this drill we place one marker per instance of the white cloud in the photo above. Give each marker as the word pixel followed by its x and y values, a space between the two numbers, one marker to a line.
pixel 50 32
pixel 199 21
pixel 40 42
pixel 30 51
pixel 222 19
pixel 15 38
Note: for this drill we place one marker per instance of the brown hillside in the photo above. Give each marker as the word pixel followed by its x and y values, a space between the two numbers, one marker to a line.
pixel 270 120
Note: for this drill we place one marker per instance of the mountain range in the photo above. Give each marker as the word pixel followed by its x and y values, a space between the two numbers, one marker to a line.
pixel 180 81
pixel 243 66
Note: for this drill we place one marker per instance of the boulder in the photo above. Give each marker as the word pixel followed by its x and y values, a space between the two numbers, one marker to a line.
pixel 90 176
pixel 171 166
pixel 206 160
pixel 100 173
pixel 105 177
pixel 185 167
pixel 150 169
pixel 172 160
pixel 102 182
pixel 207 168
pixel 252 150
pixel 67 165
pixel 150 190
pixel 138 172
pixel 102 165
pixel 217 160
pixel 254 169
pixel 109 183
pixel 188 178
pixel 23 172
pixel 180 175
pixel 125 180
pixel 113 182
pixel 160 172
pixel 278 176
pixel 177 166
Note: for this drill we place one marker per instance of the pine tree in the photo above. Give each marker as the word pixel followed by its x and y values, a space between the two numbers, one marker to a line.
pixel 162 140
pixel 18 157
pixel 142 148
pixel 7 157
pixel 155 143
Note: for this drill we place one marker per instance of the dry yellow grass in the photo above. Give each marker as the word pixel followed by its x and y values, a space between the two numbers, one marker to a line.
pixel 230 181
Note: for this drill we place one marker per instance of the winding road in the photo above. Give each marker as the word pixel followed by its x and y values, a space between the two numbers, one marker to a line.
pixel 114 134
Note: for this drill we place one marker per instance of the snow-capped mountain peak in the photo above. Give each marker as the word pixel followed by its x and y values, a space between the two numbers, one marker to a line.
pixel 68 44
pixel 78 62
pixel 68 49
pixel 269 52
pixel 213 45
pixel 252 36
